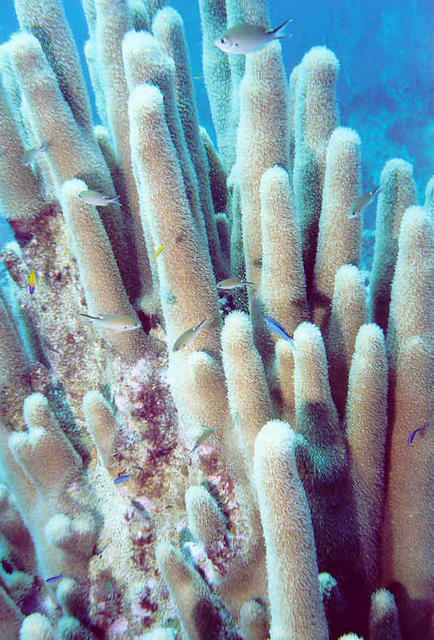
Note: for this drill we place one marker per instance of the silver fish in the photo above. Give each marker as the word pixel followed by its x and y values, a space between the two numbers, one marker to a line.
pixel 30 155
pixel 246 38
pixel 96 198
pixel 116 321
pixel 203 436
pixel 233 283
pixel 189 335
pixel 362 202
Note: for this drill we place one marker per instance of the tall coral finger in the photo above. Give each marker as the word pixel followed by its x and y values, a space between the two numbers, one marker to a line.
pixel 293 587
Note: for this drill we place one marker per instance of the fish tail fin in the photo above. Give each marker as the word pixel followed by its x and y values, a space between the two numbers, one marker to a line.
pixel 87 317
pixel 274 31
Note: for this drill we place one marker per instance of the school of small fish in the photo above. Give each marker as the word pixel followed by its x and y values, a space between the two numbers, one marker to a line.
pixel 240 39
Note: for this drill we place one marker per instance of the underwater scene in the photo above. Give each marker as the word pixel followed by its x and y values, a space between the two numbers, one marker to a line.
pixel 216 320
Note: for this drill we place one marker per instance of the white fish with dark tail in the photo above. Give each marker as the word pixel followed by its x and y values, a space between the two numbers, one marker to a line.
pixel 189 335
pixel 116 321
pixel 96 198
pixel 362 202
pixel 246 38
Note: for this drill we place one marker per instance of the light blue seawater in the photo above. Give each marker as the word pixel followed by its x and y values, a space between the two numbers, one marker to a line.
pixel 386 85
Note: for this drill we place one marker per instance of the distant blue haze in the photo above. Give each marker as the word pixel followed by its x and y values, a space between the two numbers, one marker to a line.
pixel 386 86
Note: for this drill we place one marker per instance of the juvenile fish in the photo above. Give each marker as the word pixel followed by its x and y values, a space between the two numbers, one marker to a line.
pixel 278 328
pixel 54 579
pixel 32 282
pixel 96 198
pixel 246 38
pixel 233 283
pixel 116 321
pixel 189 335
pixel 157 253
pixel 7 566
pixel 411 438
pixel 30 155
pixel 123 478
pixel 201 439
pixel 362 202
pixel 141 508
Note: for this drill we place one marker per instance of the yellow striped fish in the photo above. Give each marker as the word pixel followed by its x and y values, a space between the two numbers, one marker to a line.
pixel 157 253
pixel 32 282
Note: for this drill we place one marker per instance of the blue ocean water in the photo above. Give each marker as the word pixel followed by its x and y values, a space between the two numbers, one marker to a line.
pixel 386 85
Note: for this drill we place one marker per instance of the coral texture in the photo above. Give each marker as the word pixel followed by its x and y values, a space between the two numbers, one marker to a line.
pixel 182 460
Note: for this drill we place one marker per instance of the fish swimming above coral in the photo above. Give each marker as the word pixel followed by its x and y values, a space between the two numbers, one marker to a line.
pixel 32 282
pixel 116 321
pixel 362 202
pixel 246 38
pixel 96 198
pixel 189 335
pixel 278 328
pixel 31 154
pixel 159 250
pixel 251 474
pixel 233 283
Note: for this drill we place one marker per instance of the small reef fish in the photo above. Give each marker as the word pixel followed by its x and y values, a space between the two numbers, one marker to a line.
pixel 96 198
pixel 201 439
pixel 141 508
pixel 116 321
pixel 54 579
pixel 411 438
pixel 123 478
pixel 32 282
pixel 246 38
pixel 30 155
pixel 233 283
pixel 278 328
pixel 7 566
pixel 160 250
pixel 197 77
pixel 189 335
pixel 73 487
pixel 362 202
pixel 172 623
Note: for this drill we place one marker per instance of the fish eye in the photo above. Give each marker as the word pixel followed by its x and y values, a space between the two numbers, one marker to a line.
pixel 223 40
pixel 236 44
